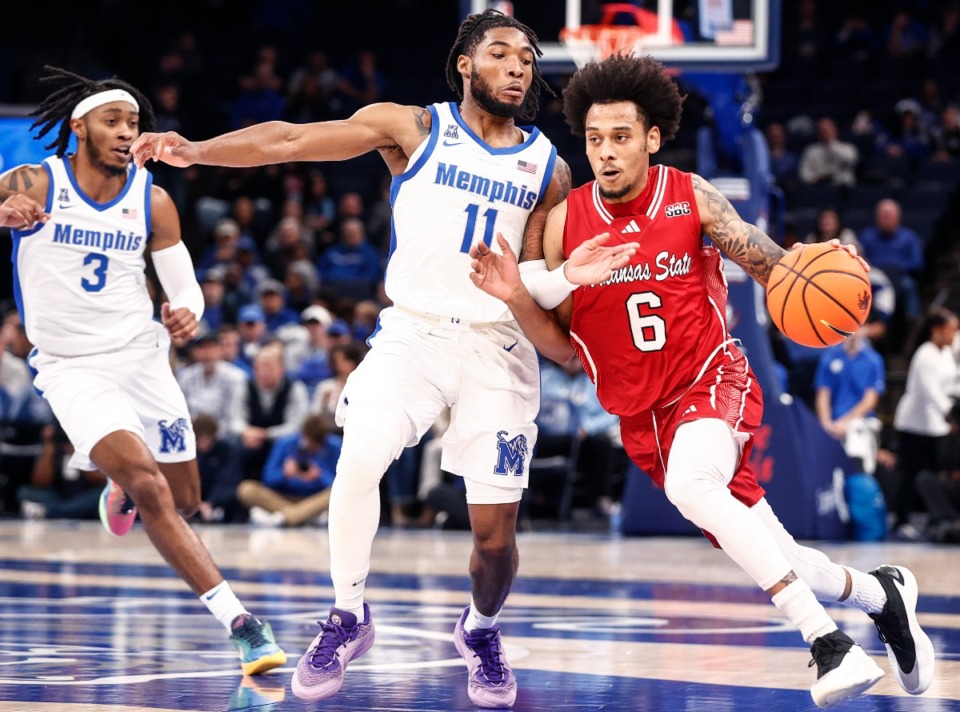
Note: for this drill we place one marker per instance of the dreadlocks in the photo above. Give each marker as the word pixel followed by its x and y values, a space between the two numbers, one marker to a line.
pixel 59 104
pixel 472 30
pixel 625 78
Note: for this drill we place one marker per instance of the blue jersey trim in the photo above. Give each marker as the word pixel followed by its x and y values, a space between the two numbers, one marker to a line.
pixel 376 330
pixel 131 174
pixel 33 370
pixel 147 212
pixel 397 182
pixel 548 173
pixel 534 134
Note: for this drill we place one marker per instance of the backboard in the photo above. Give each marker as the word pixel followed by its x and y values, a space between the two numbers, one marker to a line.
pixel 692 35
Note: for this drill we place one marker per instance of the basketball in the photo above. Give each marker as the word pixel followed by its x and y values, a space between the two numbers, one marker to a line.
pixel 818 295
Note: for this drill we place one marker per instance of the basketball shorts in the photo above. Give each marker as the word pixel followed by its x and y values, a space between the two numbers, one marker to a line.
pixel 728 392
pixel 133 389
pixel 487 374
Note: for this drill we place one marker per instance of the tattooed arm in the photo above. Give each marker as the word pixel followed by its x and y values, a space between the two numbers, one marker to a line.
pixel 23 194
pixel 557 191
pixel 392 129
pixel 742 242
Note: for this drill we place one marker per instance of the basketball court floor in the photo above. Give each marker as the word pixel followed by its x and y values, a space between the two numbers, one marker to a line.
pixel 89 622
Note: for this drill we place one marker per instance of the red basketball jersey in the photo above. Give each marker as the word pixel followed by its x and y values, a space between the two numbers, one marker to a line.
pixel 651 331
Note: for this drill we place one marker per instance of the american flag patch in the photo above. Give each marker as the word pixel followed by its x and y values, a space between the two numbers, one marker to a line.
pixel 129 213
pixel 526 167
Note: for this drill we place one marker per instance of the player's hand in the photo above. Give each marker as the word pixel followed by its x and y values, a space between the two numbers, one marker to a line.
pixel 497 275
pixel 836 243
pixel 181 323
pixel 169 147
pixel 592 263
pixel 21 212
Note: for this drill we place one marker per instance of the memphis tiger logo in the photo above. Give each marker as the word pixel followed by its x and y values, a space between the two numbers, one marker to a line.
pixel 451 131
pixel 173 436
pixel 864 302
pixel 511 454
pixel 675 209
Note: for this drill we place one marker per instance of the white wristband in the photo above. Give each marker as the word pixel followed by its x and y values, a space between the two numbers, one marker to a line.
pixel 547 287
pixel 175 270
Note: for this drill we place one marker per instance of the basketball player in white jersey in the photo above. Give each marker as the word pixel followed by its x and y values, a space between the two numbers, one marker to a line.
pixel 81 224
pixel 462 174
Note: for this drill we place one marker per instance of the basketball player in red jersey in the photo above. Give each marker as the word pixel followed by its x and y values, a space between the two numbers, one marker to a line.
pixel 654 339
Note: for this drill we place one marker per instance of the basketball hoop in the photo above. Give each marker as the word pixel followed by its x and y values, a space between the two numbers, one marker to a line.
pixel 593 43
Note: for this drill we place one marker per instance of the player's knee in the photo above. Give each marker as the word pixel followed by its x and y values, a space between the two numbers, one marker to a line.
pixel 494 544
pixel 685 490
pixel 187 500
pixel 372 440
pixel 148 488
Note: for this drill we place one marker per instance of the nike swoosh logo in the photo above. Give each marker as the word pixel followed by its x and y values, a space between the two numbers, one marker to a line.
pixel 66 207
pixel 453 143
pixel 210 597
pixel 357 583
pixel 510 348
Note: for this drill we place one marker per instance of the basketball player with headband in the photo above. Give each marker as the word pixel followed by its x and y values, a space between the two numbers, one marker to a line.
pixel 81 225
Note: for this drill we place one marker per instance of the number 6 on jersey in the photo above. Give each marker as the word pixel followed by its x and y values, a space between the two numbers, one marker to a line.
pixel 649 331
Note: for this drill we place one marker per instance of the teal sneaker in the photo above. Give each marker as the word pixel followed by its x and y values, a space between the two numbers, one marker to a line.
pixel 258 649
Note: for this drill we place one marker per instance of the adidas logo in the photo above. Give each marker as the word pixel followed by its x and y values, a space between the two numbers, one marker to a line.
pixel 631 227
pixel 691 409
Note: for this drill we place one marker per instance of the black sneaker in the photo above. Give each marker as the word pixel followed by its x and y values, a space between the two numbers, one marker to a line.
pixel 908 647
pixel 843 669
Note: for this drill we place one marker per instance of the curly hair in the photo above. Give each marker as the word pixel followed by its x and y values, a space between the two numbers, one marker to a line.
pixel 471 32
pixel 641 80
pixel 58 106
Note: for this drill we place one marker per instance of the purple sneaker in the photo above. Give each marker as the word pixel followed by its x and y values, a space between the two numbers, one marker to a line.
pixel 320 671
pixel 490 681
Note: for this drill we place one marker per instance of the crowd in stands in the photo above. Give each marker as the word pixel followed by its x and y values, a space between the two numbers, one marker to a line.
pixel 862 120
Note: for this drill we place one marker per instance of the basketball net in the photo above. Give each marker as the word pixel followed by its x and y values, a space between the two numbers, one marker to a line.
pixel 594 43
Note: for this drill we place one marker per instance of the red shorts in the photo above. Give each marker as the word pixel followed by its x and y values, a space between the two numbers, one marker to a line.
pixel 727 391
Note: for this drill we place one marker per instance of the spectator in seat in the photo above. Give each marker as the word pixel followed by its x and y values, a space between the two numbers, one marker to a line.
pixel 273 406
pixel 784 163
pixel 828 159
pixel 212 385
pixel 829 227
pixel 353 264
pixel 273 301
pixel 56 490
pixel 946 135
pixel 295 487
pixel 344 359
pixel 218 460
pixel 252 327
pixel 898 251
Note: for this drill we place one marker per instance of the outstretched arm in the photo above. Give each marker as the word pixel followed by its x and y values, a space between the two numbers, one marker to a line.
pixel 384 127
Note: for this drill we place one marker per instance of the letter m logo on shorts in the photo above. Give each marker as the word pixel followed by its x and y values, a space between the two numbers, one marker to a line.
pixel 172 437
pixel 510 454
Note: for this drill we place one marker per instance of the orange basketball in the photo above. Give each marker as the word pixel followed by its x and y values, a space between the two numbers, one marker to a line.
pixel 818 295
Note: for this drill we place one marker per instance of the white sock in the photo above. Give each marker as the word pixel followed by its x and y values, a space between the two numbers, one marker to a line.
pixel 223 604
pixel 866 593
pixel 799 604
pixel 477 621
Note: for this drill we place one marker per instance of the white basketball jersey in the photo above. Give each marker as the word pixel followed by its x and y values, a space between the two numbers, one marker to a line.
pixel 79 278
pixel 456 191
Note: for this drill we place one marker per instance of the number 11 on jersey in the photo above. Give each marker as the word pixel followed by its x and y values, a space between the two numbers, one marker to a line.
pixel 490 218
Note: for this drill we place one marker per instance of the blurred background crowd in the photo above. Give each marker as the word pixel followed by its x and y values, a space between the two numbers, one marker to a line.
pixel 862 128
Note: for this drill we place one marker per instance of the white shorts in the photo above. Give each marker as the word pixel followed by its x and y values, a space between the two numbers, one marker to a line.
pixel 488 376
pixel 133 389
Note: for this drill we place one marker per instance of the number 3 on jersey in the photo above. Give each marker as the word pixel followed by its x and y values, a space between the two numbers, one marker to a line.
pixel 99 275
pixel 489 217
pixel 649 331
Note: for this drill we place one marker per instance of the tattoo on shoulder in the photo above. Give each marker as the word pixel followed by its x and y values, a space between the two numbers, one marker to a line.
pixel 20 180
pixel 422 117
pixel 745 244
pixel 561 172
